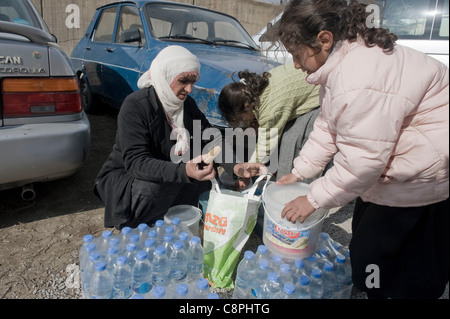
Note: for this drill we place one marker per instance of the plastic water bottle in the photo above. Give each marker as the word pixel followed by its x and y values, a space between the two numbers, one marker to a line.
pixel 178 263
pixel 101 282
pixel 158 292
pixel 111 255
pixel 201 289
pixel 343 278
pixel 271 288
pixel 121 276
pixel 149 248
pixel 261 273
pixel 316 284
pixel 94 257
pixel 276 261
pixel 194 256
pixel 124 238
pixel 179 227
pixel 161 268
pixel 299 268
pixel 167 244
pixel 181 291
pixel 169 230
pixel 288 292
pixel 329 280
pixel 302 288
pixel 245 275
pixel 82 255
pixel 130 253
pixel 159 226
pixel 325 255
pixel 103 242
pixel 184 238
pixel 134 239
pixel 261 253
pixel 114 242
pixel 142 274
pixel 143 232
pixel 286 275
pixel 310 263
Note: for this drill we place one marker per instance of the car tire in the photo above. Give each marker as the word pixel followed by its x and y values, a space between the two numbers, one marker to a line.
pixel 88 100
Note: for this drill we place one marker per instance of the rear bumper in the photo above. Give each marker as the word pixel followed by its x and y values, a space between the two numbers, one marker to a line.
pixel 42 152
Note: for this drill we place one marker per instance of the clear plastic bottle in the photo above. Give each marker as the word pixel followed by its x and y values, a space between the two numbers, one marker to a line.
pixel 275 262
pixel 178 263
pixel 149 248
pixel 161 268
pixel 195 256
pixel 114 242
pixel 134 238
pixel 343 276
pixel 82 255
pixel 316 284
pixel 261 273
pixel 261 253
pixel 130 253
pixel 111 255
pixel 160 226
pixel 103 242
pixel 288 291
pixel 201 289
pixel 329 280
pixel 101 282
pixel 142 274
pixel 302 288
pixel 84 258
pixel 142 232
pixel 310 263
pixel 271 288
pixel 121 276
pixel 179 227
pixel 94 257
pixel 286 275
pixel 184 238
pixel 245 275
pixel 124 238
pixel 167 244
pixel 299 268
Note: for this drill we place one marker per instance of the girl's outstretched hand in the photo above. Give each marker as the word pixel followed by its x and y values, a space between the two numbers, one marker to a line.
pixel 288 179
pixel 297 209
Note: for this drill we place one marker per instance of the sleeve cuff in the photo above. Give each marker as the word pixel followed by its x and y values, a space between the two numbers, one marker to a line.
pixel 312 201
pixel 296 173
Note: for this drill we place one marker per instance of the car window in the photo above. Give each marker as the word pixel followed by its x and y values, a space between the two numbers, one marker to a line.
pixel 129 18
pixel 183 23
pixel 105 27
pixel 444 26
pixel 18 12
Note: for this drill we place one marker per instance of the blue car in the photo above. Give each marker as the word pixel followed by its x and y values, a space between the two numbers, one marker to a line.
pixel 124 37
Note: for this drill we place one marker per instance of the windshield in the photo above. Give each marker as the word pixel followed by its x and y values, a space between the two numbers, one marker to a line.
pixel 18 11
pixel 183 23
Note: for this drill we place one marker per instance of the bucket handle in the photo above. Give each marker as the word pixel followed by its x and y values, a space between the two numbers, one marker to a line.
pixel 251 191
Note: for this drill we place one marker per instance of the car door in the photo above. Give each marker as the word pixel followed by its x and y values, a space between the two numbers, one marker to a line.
pixel 124 56
pixel 94 52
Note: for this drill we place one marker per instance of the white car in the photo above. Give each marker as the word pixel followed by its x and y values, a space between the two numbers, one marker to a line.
pixel 420 24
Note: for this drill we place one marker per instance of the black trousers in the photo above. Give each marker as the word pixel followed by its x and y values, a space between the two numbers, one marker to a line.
pixel 150 201
pixel 409 247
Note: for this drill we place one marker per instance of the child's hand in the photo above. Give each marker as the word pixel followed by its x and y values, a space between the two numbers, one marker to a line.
pixel 297 209
pixel 288 179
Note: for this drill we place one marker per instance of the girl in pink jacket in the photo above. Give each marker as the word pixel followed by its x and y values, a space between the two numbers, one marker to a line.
pixel 385 123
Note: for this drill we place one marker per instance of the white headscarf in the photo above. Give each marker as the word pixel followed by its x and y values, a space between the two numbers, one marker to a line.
pixel 169 64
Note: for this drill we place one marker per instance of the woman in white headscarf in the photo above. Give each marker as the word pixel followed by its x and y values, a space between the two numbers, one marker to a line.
pixel 144 175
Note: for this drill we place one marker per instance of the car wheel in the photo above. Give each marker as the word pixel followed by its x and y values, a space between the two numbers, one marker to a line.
pixel 88 101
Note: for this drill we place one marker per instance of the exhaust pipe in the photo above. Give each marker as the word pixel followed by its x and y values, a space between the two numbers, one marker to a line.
pixel 28 193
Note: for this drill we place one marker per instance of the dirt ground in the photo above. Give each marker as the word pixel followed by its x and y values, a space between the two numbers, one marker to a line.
pixel 40 240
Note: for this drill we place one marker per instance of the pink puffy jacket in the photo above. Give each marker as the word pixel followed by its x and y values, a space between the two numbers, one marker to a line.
pixel 385 119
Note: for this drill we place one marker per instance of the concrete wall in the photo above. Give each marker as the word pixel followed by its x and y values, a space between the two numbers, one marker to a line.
pixel 252 14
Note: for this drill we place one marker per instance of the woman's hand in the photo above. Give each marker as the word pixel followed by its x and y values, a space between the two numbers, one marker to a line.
pixel 247 170
pixel 288 179
pixel 297 209
pixel 193 170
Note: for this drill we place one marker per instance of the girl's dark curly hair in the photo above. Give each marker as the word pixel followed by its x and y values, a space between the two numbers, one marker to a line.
pixel 302 21
pixel 237 97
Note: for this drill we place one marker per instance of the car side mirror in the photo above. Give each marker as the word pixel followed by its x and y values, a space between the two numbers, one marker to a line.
pixel 131 35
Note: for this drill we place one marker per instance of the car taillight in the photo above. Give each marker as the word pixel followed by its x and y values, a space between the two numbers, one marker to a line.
pixel 40 96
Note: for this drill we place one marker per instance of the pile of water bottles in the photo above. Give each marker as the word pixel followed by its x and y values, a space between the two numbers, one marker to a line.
pixel 160 262
pixel 326 274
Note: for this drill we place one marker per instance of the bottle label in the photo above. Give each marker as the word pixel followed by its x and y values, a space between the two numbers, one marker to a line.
pixel 287 237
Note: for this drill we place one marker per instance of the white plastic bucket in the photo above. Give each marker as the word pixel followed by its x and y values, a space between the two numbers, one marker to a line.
pixel 282 237
pixel 189 216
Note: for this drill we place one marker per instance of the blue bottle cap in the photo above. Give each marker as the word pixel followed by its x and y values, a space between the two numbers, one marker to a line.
pixel 263 264
pixel 122 260
pixel 112 250
pixel 176 221
pixel 168 238
pixel 299 263
pixel 114 241
pixel 177 244
pixel 340 258
pixel 126 230
pixel 149 242
pixel 169 230
pixel 262 249
pixel 159 223
pixel 213 295
pixel 159 291
pixel 94 256
pixel 183 236
pixel 303 280
pixel 134 238
pixel 202 283
pixel 160 250
pixel 137 296
pixel 273 276
pixel 90 247
pixel 88 238
pixel 249 255
pixel 182 289
pixel 141 255
pixel 100 266
pixel 195 240
pixel 285 268
pixel 152 233
pixel 328 266
pixel 131 247
pixel 142 227
pixel 316 272
pixel 289 288
pixel 107 234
